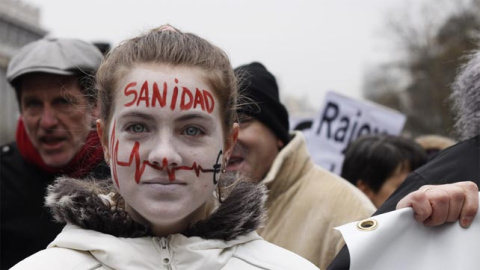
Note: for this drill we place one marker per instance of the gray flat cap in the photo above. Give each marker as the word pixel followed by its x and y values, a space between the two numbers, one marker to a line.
pixel 56 56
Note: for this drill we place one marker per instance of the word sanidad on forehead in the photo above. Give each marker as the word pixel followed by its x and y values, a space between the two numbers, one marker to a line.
pixel 153 95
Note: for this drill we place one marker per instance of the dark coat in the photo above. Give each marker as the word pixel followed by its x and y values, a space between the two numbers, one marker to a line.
pixel 457 163
pixel 26 225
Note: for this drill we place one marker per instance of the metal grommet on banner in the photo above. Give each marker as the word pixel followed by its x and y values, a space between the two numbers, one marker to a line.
pixel 369 224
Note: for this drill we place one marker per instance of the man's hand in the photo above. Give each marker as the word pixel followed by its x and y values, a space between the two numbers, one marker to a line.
pixel 437 204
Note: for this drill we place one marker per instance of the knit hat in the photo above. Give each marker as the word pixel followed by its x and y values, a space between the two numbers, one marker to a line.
pixel 56 56
pixel 260 86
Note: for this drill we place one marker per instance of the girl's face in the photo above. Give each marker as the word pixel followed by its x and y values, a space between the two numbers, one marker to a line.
pixel 166 144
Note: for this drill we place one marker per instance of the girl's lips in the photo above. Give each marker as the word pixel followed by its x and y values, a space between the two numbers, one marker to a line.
pixel 163 187
pixel 162 182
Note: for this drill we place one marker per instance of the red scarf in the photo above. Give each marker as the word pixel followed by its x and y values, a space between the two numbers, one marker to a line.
pixel 89 156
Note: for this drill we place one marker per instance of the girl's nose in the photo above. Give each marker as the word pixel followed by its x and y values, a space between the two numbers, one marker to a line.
pixel 164 152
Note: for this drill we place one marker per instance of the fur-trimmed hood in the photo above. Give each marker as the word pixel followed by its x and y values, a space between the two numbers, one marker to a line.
pixel 101 235
pixel 92 204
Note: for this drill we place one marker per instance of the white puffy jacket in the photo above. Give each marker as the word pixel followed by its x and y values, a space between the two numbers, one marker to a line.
pixel 109 239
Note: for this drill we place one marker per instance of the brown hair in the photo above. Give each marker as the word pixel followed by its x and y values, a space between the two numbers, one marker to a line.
pixel 167 45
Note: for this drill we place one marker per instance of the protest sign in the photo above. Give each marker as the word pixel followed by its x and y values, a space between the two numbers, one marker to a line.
pixel 342 120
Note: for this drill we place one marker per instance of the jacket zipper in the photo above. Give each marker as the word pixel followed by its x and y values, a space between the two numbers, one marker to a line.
pixel 164 252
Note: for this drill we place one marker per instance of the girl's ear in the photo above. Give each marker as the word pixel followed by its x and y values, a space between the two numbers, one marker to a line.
pixel 100 132
pixel 231 141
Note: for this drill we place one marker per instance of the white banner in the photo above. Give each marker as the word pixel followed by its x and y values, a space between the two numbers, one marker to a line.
pixel 341 121
pixel 395 240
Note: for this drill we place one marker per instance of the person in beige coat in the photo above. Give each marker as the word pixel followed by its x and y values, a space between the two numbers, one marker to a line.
pixel 305 202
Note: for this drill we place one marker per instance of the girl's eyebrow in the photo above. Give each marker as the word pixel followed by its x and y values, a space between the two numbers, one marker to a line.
pixel 190 116
pixel 149 117
pixel 137 114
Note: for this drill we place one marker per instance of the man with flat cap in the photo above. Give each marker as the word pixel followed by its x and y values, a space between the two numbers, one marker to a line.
pixel 53 81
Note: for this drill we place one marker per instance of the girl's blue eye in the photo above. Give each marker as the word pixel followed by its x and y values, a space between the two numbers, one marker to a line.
pixel 192 131
pixel 137 128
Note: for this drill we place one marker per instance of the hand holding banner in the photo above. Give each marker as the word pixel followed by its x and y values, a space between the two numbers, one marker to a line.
pixel 396 241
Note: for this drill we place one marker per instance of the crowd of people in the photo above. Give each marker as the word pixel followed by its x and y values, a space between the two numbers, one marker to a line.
pixel 161 155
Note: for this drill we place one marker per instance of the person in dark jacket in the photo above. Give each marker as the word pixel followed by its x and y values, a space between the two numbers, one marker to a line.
pixel 460 162
pixel 55 136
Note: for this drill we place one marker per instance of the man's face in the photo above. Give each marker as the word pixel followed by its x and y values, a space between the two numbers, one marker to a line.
pixel 256 148
pixel 56 115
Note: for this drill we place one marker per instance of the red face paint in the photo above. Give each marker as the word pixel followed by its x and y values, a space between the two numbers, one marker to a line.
pixel 128 91
pixel 174 97
pixel 157 97
pixel 187 99
pixel 199 100
pixel 209 101
pixel 150 95
pixel 141 165
pixel 144 95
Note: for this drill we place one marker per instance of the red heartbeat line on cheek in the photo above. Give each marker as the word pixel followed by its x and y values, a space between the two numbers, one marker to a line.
pixel 141 165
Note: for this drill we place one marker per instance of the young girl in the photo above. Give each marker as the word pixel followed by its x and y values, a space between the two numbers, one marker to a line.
pixel 167 128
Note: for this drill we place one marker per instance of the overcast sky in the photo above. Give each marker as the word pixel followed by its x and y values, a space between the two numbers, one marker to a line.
pixel 311 46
